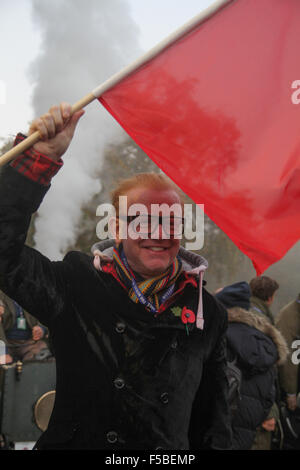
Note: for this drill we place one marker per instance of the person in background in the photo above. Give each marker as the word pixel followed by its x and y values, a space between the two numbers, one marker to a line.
pixel 21 332
pixel 256 346
pixel 263 290
pixel 288 322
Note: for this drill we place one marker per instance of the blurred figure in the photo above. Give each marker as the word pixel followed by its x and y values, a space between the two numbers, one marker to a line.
pixel 256 346
pixel 22 333
pixel 288 322
pixel 263 290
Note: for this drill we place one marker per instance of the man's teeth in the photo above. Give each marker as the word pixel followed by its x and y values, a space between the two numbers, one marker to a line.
pixel 156 248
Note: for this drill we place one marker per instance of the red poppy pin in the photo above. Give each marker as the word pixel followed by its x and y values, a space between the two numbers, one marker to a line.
pixel 187 316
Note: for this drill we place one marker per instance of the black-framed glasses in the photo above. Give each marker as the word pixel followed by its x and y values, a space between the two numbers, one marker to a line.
pixel 146 224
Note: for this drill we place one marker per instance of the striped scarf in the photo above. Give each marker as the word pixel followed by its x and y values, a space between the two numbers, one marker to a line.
pixel 156 289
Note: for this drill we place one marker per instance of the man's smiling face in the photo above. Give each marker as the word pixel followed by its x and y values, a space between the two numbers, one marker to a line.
pixel 151 257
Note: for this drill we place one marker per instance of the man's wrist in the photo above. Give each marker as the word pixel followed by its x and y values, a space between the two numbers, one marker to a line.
pixel 34 165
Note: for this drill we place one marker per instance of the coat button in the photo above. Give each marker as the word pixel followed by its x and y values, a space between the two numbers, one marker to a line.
pixel 119 383
pixel 174 344
pixel 164 398
pixel 120 327
pixel 112 437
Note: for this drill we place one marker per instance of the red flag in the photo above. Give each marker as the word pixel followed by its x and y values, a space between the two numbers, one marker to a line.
pixel 216 111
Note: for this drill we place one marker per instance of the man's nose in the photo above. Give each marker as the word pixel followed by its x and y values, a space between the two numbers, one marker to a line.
pixel 159 233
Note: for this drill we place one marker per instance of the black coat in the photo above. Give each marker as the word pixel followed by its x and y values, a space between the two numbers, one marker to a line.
pixel 252 341
pixel 125 380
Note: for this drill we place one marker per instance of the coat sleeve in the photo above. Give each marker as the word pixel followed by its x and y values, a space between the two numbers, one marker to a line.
pixel 26 276
pixel 210 426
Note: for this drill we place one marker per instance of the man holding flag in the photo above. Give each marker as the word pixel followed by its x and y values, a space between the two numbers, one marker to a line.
pixel 143 365
pixel 220 97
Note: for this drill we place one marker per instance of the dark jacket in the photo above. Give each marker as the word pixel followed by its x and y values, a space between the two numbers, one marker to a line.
pixel 125 380
pixel 258 347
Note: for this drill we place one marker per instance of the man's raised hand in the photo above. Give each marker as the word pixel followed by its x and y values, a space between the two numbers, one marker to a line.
pixel 56 129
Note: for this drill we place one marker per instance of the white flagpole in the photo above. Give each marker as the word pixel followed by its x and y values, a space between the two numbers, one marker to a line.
pixel 125 72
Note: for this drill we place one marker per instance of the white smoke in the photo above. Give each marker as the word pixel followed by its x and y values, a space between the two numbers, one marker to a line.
pixel 84 42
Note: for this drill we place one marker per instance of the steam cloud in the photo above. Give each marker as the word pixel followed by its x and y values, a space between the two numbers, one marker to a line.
pixel 83 44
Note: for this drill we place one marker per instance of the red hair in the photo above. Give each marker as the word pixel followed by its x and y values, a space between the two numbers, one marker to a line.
pixel 157 181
